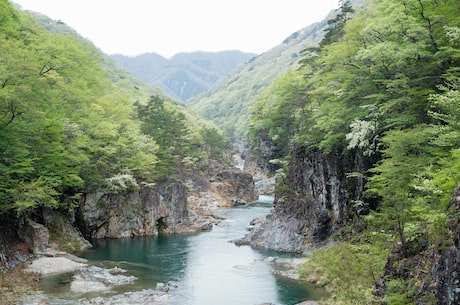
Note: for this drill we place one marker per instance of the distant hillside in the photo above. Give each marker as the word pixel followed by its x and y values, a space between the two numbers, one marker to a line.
pixel 227 102
pixel 185 75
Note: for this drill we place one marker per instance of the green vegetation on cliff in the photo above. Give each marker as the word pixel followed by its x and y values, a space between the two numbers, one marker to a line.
pixel 383 87
pixel 71 119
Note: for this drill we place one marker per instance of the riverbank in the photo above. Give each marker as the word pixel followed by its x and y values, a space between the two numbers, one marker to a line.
pixel 289 267
pixel 203 266
pixel 20 286
pixel 91 278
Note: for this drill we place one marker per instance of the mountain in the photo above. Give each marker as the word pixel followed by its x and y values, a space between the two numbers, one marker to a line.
pixel 184 75
pixel 63 99
pixel 227 102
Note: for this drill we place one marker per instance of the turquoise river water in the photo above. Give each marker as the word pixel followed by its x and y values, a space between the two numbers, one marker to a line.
pixel 206 267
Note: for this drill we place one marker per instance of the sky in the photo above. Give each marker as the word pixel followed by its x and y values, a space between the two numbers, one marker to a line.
pixel 168 27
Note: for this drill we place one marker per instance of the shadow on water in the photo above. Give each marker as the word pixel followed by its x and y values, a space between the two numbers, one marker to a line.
pixel 152 259
pixel 291 292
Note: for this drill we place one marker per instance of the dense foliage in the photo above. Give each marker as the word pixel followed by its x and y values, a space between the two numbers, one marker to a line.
pixel 70 119
pixel 384 84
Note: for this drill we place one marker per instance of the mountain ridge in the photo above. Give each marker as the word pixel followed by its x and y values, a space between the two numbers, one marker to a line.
pixel 184 75
pixel 227 102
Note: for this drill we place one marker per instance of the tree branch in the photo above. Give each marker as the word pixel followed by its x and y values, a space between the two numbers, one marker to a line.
pixel 14 114
pixel 430 25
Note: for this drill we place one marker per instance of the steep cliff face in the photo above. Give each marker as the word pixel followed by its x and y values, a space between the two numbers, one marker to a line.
pixel 221 186
pixel 233 188
pixel 162 208
pixel 325 179
pixel 311 201
pixel 446 272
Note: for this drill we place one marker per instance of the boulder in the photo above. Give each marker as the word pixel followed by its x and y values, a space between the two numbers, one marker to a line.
pixel 96 279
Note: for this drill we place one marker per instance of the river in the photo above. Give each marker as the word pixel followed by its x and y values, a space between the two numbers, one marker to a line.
pixel 206 267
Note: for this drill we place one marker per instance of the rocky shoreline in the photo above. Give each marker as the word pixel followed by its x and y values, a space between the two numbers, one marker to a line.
pixel 105 215
pixel 87 278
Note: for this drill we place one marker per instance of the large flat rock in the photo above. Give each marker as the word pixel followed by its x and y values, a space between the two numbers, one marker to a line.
pixel 53 265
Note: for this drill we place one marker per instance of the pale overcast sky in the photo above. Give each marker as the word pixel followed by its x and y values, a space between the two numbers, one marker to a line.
pixel 168 27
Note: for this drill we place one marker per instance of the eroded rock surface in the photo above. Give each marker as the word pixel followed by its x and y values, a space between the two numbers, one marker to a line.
pixel 148 211
pixel 34 234
pixel 95 279
pixel 145 297
pixel 311 203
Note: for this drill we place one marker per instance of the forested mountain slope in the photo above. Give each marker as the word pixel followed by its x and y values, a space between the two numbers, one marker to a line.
pixel 185 75
pixel 227 102
pixel 369 137
pixel 72 120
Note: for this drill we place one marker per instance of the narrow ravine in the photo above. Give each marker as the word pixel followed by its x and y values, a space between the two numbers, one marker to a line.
pixel 206 268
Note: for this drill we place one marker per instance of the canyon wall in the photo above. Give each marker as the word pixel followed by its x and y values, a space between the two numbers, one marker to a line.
pixel 312 201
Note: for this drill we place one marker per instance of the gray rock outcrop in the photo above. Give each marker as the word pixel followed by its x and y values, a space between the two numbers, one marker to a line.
pixel 221 186
pixel 233 188
pixel 96 279
pixel 54 265
pixel 311 202
pixel 446 271
pixel 145 296
pixel 34 234
pixel 147 211
pixel 259 162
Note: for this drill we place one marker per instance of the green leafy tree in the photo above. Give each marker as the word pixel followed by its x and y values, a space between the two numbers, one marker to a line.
pixel 168 127
pixel 215 144
pixel 446 113
pixel 276 110
pixel 64 126
pixel 398 178
pixel 335 31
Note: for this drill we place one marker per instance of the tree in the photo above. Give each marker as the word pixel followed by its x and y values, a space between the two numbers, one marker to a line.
pixel 445 110
pixel 396 178
pixel 168 127
pixel 215 144
pixel 277 109
pixel 64 125
pixel 335 31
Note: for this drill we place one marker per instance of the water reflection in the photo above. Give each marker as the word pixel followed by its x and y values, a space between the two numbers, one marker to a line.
pixel 152 259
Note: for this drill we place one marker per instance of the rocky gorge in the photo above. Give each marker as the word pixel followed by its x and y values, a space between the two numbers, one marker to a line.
pixel 124 211
pixel 317 195
pixel 311 201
